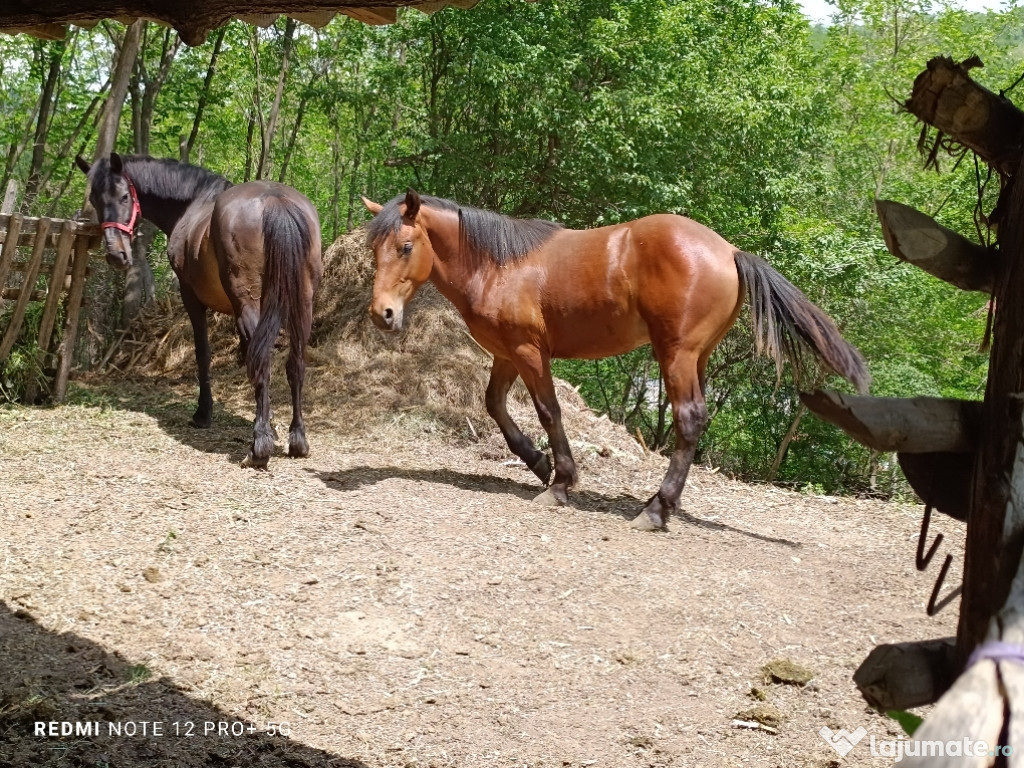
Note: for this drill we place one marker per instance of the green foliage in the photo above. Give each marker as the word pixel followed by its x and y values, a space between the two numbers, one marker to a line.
pixel 25 367
pixel 908 721
pixel 734 112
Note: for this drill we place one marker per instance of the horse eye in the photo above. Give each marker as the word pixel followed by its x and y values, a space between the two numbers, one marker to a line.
pixel 124 198
pixel 407 249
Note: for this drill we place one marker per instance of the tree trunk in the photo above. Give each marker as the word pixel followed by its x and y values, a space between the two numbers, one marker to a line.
pixel 204 95
pixel 101 290
pixel 65 150
pixel 275 107
pixel 140 284
pixel 42 122
pixel 126 55
pixel 786 440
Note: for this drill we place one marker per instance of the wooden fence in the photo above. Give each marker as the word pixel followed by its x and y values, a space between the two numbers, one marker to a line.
pixel 46 261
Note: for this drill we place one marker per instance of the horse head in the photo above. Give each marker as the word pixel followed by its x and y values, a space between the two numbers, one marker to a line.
pixel 116 202
pixel 404 254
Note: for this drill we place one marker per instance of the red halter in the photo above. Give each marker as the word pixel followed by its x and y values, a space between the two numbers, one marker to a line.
pixel 136 213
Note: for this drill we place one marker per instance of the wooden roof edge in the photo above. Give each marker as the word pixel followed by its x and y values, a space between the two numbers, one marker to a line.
pixel 194 21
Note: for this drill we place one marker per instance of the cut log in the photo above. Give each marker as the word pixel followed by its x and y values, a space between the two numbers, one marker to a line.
pixel 945 97
pixel 904 675
pixel 905 425
pixel 941 479
pixel 917 239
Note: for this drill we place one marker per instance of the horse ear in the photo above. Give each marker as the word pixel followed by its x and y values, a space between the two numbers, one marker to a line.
pixel 82 164
pixel 371 206
pixel 412 203
pixel 116 164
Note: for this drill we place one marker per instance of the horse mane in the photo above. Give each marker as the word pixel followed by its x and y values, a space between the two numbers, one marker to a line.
pixel 168 179
pixel 482 234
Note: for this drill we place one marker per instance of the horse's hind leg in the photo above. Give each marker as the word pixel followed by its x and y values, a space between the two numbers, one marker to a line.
pixel 503 374
pixel 684 383
pixel 298 446
pixel 263 436
pixel 197 315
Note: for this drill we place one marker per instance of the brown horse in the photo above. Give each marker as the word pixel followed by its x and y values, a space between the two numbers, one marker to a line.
pixel 251 250
pixel 531 291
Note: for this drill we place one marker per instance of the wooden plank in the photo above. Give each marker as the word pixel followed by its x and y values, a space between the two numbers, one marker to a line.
pixel 74 306
pixel 22 304
pixel 972 708
pixel 56 284
pixel 372 16
pixel 906 425
pixel 10 197
pixel 917 239
pixel 15 293
pixel 12 225
pixel 1012 677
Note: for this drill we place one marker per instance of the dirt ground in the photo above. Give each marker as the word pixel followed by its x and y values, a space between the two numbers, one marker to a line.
pixel 397 599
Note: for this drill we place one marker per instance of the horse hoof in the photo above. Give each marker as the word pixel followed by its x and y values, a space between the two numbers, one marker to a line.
pixel 201 422
pixel 252 462
pixel 549 499
pixel 644 522
pixel 542 468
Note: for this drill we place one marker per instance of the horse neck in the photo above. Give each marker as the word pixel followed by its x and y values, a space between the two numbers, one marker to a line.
pixel 457 274
pixel 165 212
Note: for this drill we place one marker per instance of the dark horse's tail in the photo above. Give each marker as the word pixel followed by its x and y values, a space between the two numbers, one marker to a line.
pixel 286 243
pixel 785 322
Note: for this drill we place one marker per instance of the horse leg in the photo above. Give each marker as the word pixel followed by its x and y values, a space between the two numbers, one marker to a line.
pixel 535 368
pixel 685 386
pixel 263 435
pixel 503 374
pixel 298 446
pixel 197 315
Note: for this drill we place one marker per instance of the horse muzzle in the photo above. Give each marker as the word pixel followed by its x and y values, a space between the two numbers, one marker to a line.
pixel 119 251
pixel 387 318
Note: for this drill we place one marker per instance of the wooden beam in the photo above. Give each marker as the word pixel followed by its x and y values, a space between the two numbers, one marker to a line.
pixel 905 675
pixel 941 479
pixel 917 239
pixel 906 425
pixel 945 97
pixel 80 266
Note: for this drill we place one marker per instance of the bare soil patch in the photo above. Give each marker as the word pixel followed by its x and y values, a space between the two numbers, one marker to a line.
pixel 397 598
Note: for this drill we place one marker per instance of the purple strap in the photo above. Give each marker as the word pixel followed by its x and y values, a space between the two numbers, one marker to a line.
pixel 997 650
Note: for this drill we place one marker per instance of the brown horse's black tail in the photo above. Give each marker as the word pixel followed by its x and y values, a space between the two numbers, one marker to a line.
pixel 286 243
pixel 786 322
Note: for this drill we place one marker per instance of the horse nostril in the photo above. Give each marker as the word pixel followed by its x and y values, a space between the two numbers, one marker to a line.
pixel 389 315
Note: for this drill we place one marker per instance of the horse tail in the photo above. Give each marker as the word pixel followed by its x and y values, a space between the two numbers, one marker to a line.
pixel 286 244
pixel 786 323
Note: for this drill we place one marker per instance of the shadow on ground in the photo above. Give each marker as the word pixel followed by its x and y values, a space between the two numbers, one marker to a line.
pixel 48 677
pixel 624 506
pixel 172 403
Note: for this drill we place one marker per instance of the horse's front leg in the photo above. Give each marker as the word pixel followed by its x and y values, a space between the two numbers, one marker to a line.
pixel 503 375
pixel 197 315
pixel 534 366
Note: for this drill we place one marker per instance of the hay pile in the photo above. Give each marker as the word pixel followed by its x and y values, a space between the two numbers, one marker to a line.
pixel 359 376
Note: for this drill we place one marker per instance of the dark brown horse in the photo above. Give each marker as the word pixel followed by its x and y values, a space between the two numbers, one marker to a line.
pixel 251 250
pixel 531 291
